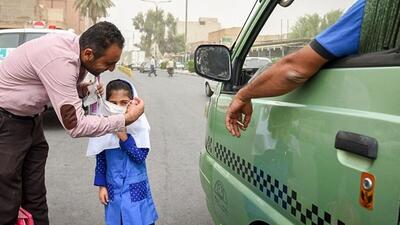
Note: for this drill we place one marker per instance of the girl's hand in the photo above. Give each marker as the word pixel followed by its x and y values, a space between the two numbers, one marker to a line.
pixel 122 134
pixel 103 195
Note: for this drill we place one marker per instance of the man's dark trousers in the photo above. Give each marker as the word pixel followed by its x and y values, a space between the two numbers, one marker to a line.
pixel 23 154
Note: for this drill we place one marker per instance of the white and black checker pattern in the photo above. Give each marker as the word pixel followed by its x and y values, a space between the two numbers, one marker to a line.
pixel 273 189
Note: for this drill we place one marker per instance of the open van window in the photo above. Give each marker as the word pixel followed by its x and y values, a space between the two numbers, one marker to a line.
pixel 288 29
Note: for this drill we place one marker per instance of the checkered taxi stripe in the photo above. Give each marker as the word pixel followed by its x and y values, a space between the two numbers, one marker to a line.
pixel 276 191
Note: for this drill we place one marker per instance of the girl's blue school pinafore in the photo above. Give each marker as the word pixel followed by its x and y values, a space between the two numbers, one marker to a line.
pixel 123 171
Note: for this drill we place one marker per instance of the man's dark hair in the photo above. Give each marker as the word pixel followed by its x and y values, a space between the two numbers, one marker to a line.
pixel 100 37
pixel 116 85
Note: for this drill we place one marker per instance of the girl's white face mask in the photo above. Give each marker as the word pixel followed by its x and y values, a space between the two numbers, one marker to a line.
pixel 114 109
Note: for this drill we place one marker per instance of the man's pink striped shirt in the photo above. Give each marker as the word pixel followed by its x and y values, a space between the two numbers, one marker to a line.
pixel 48 69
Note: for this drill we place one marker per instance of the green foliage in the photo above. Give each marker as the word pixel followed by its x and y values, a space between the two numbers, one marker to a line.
pixel 309 26
pixel 190 66
pixel 163 65
pixel 160 27
pixel 330 18
pixel 94 9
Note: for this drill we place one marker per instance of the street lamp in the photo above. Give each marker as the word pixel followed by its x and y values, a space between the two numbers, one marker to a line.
pixel 156 3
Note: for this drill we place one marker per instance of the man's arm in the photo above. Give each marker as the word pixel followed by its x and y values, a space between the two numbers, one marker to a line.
pixel 59 78
pixel 339 40
pixel 286 75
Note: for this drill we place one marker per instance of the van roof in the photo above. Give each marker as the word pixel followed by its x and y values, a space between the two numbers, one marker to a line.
pixel 32 30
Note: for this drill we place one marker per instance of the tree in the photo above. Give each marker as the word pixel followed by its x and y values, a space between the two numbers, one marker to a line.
pixel 330 18
pixel 156 27
pixel 309 26
pixel 94 9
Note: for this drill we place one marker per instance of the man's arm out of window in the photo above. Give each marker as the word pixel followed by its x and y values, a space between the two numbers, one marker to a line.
pixel 287 74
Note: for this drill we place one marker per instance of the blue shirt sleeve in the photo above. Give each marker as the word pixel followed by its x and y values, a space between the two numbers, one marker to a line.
pixel 136 154
pixel 100 171
pixel 342 38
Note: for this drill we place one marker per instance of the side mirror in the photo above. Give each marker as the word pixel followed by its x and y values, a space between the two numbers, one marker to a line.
pixel 213 62
pixel 285 3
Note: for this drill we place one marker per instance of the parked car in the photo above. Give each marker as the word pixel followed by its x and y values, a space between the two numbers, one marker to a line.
pixel 12 38
pixel 250 66
pixel 179 66
pixel 144 67
pixel 325 153
pixel 256 62
pixel 134 66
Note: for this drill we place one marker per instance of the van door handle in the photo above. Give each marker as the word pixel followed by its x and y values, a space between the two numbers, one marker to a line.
pixel 356 143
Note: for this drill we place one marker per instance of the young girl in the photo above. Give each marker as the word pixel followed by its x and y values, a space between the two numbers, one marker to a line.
pixel 120 163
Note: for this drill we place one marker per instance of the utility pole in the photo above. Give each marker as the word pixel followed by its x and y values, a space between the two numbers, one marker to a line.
pixel 186 20
pixel 287 29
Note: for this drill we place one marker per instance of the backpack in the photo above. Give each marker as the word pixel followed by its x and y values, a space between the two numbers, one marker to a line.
pixel 24 218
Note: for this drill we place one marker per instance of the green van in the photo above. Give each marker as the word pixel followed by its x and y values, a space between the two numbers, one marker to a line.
pixel 327 153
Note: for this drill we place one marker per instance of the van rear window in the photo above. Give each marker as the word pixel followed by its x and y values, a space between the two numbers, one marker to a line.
pixel 9 40
pixel 31 36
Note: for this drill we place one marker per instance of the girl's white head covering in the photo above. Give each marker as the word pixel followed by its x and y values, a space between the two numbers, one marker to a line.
pixel 140 131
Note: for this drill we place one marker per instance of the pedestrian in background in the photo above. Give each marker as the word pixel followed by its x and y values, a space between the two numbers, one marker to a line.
pixel 170 67
pixel 152 67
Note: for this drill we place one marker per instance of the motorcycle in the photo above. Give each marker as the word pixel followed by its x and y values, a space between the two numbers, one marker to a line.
pixel 170 72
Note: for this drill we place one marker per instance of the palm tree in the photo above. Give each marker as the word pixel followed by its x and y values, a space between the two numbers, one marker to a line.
pixel 94 9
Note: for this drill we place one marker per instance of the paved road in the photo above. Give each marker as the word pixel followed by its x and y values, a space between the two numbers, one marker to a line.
pixel 174 107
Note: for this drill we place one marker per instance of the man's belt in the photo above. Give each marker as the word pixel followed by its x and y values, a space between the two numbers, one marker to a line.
pixel 10 115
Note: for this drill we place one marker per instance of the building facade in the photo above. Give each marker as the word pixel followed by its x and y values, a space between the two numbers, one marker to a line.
pixel 198 30
pixel 17 13
pixel 224 36
pixel 57 13
pixel 63 14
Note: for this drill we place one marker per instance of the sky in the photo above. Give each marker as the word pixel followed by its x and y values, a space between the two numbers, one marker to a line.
pixel 230 13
